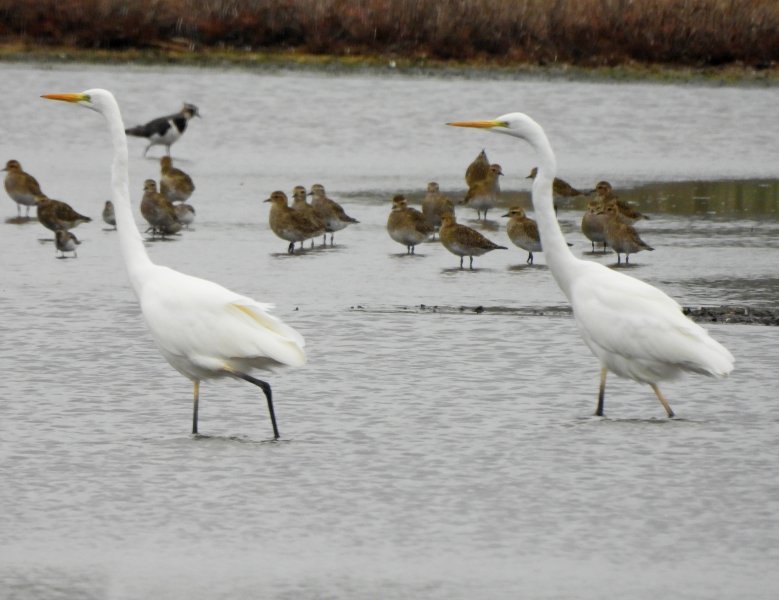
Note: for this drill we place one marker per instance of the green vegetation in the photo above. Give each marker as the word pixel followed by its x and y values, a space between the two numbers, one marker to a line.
pixel 730 39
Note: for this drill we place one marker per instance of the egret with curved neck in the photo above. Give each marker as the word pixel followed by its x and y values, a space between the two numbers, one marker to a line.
pixel 633 328
pixel 202 329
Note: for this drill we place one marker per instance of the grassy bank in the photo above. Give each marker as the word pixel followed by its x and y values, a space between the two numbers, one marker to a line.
pixel 732 38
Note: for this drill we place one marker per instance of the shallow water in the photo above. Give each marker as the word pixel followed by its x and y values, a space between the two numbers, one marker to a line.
pixel 435 455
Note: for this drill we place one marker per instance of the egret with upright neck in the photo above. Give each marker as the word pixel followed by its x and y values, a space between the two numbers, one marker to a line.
pixel 633 328
pixel 203 330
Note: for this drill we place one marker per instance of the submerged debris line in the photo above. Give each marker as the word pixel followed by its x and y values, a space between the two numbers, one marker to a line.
pixel 706 314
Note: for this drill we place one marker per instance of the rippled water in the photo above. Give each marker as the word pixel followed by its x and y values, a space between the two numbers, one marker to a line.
pixel 430 455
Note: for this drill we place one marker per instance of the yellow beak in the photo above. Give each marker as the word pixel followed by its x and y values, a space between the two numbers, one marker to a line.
pixel 478 124
pixel 67 97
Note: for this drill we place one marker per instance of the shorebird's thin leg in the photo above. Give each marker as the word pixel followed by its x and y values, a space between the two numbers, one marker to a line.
pixel 461 262
pixel 471 264
pixel 662 399
pixel 195 401
pixel 601 392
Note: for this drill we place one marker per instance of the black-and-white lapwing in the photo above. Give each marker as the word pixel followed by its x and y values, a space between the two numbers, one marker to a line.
pixel 163 131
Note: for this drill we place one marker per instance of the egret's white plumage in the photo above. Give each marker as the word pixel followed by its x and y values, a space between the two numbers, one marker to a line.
pixel 633 328
pixel 201 328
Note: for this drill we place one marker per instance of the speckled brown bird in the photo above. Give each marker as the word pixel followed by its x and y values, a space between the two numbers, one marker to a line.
pixel 621 237
pixel 523 232
pixel 435 204
pixel 55 214
pixel 22 187
pixel 158 211
pixel 560 187
pixel 289 224
pixel 332 213
pixel 175 184
pixel 477 170
pixel 65 241
pixel 406 225
pixel 300 204
pixel 627 214
pixel 593 223
pixel 483 194
pixel 464 241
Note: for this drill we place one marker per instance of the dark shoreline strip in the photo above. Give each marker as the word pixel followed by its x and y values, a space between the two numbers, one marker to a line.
pixel 734 314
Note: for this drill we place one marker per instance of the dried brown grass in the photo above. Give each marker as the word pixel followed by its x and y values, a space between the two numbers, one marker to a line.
pixel 579 32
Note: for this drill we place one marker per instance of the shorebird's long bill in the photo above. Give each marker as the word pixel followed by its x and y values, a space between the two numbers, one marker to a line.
pixel 478 124
pixel 67 97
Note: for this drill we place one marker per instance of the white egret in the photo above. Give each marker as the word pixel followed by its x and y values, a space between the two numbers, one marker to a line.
pixel 633 328
pixel 202 329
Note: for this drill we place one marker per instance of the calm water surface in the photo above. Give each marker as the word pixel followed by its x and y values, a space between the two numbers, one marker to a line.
pixel 424 455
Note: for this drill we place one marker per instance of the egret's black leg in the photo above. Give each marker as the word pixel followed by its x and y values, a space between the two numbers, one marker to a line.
pixel 195 401
pixel 601 392
pixel 265 387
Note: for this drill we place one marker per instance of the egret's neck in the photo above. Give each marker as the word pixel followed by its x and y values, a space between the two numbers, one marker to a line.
pixel 561 261
pixel 133 251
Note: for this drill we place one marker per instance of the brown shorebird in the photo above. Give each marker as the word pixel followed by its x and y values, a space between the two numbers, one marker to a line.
pixel 22 187
pixel 185 213
pixel 464 241
pixel 483 194
pixel 300 204
pixel 108 214
pixel 627 214
pixel 65 241
pixel 158 211
pixel 477 170
pixel 332 213
pixel 175 184
pixel 55 214
pixel 523 232
pixel 621 237
pixel 289 224
pixel 560 187
pixel 435 204
pixel 406 225
pixel 593 223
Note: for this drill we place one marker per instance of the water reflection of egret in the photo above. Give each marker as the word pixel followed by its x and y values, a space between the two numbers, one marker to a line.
pixel 634 329
pixel 202 329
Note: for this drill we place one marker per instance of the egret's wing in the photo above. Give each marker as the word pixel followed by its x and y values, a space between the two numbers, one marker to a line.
pixel 641 329
pixel 207 323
